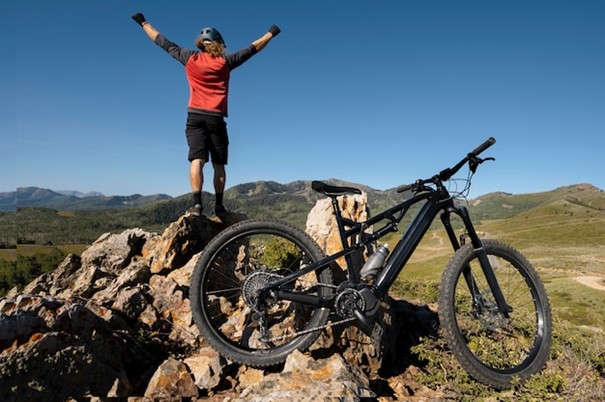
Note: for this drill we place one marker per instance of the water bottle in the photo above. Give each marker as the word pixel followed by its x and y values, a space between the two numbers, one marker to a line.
pixel 374 263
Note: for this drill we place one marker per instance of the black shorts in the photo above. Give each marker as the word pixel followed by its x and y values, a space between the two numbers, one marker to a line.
pixel 207 134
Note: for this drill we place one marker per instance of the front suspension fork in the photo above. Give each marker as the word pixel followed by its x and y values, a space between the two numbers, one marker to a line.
pixel 481 255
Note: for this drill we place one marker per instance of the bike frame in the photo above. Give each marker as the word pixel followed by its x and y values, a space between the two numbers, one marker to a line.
pixel 435 201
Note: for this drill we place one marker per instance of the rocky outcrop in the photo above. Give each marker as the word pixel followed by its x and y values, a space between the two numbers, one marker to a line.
pixel 115 322
pixel 321 224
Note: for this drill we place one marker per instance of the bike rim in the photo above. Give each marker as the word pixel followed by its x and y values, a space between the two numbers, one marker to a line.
pixel 228 292
pixel 504 345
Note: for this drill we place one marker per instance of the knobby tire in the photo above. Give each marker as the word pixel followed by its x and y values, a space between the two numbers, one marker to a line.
pixel 226 303
pixel 494 349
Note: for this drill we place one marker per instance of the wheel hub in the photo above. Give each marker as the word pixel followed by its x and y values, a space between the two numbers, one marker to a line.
pixel 489 315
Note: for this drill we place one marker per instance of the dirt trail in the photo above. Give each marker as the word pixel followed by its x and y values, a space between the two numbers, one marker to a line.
pixel 595 282
pixel 435 235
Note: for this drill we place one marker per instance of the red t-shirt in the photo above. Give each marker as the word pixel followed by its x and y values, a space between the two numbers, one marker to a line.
pixel 208 76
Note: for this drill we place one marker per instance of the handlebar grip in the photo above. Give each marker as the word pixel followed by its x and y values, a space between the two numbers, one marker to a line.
pixel 404 188
pixel 490 141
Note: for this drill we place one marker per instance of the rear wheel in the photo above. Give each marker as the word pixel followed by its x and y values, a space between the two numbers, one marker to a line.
pixel 239 320
pixel 493 348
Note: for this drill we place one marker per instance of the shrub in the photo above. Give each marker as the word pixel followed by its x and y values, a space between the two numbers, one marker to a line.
pixel 26 268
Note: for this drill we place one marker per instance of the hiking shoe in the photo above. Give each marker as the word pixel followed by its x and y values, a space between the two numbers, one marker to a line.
pixel 195 210
pixel 220 211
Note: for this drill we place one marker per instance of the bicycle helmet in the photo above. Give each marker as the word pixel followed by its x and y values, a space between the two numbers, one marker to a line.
pixel 211 35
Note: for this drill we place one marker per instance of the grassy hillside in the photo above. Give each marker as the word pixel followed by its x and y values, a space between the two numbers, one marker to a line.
pixel 291 202
pixel 559 246
pixel 503 205
pixel 557 235
pixel 563 236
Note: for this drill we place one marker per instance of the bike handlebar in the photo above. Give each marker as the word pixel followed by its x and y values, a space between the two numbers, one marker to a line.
pixel 488 143
pixel 447 173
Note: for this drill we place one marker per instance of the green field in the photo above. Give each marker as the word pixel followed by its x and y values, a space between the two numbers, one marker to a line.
pixel 561 246
pixel 28 250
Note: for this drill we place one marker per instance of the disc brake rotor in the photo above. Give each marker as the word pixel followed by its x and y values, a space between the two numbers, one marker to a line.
pixel 489 315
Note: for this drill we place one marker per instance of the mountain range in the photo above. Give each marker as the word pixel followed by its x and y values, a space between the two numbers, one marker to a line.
pixel 44 215
pixel 259 192
pixel 71 200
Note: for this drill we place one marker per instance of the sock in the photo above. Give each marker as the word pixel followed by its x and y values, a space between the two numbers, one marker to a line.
pixel 219 199
pixel 197 197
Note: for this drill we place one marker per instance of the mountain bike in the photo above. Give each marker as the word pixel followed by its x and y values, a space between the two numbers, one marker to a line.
pixel 262 289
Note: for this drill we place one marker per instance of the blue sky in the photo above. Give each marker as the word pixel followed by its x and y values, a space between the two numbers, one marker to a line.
pixel 379 93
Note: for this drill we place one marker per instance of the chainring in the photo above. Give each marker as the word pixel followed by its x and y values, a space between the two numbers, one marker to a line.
pixel 347 301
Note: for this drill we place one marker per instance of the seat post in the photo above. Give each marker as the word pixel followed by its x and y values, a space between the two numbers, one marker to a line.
pixel 343 238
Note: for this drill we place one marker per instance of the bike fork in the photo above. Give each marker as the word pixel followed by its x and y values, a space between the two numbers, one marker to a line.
pixel 486 266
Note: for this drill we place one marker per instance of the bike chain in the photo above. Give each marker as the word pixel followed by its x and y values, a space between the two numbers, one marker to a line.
pixel 308 331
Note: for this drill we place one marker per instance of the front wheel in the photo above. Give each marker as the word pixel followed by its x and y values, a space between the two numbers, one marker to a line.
pixel 232 311
pixel 495 348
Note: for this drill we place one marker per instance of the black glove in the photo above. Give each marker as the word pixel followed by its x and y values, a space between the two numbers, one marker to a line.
pixel 274 30
pixel 139 18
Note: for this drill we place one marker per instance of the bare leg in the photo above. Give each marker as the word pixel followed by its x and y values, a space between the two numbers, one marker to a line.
pixel 220 177
pixel 196 174
pixel 196 178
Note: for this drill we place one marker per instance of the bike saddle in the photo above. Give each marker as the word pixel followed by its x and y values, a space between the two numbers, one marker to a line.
pixel 333 191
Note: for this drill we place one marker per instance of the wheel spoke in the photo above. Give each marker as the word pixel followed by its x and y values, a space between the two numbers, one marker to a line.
pixel 231 305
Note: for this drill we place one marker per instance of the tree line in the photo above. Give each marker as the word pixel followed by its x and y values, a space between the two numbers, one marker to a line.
pixel 27 268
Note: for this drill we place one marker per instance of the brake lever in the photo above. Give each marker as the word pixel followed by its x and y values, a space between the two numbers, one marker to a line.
pixel 474 161
pixel 418 186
